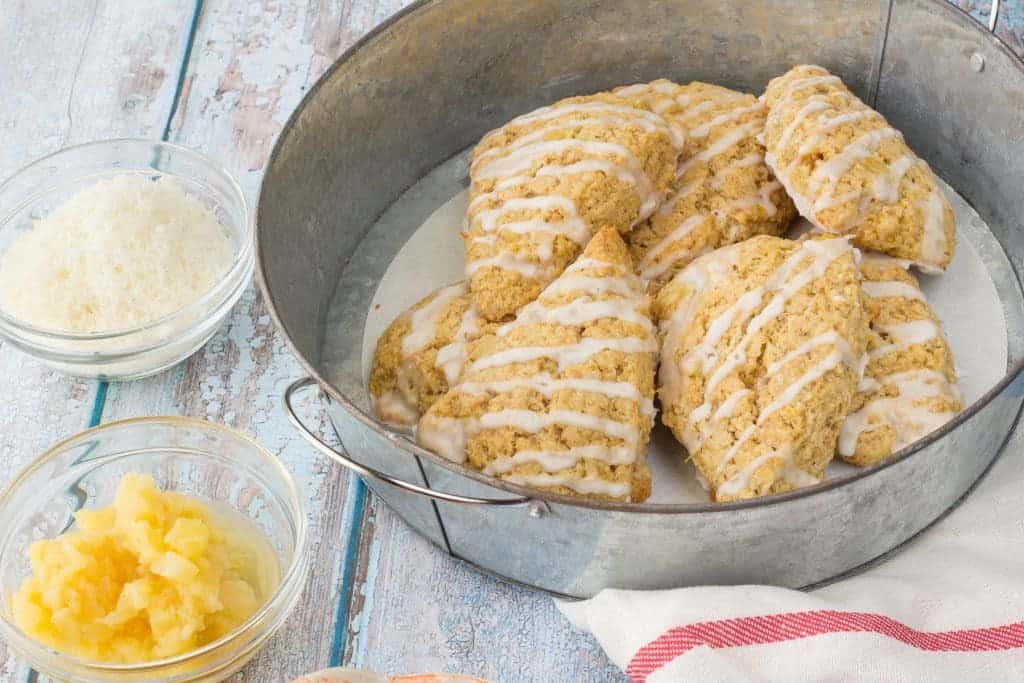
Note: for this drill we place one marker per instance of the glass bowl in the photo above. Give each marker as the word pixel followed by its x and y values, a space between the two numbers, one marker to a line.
pixel 43 185
pixel 197 458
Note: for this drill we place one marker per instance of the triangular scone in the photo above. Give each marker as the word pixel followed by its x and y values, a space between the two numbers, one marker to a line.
pixel 561 399
pixel 421 353
pixel 909 386
pixel 851 173
pixel 543 183
pixel 723 191
pixel 762 344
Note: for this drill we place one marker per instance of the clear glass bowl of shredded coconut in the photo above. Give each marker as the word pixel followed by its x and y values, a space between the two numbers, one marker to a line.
pixel 120 258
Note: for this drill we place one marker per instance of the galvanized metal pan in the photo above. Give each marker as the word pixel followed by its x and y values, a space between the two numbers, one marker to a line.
pixel 428 83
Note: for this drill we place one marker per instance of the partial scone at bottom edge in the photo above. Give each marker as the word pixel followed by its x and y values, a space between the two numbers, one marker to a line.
pixel 561 399
pixel 762 343
pixel 909 385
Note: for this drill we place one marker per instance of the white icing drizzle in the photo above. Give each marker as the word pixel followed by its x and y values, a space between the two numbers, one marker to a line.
pixel 698 276
pixel 565 355
pixel 393 408
pixel 507 261
pixel 789 394
pixel 451 357
pixel 649 121
pixel 627 168
pixel 723 143
pixel 570 281
pixel 891 288
pixel 650 266
pixel 446 436
pixel 904 413
pixel 554 461
pixel 798 84
pixel 581 310
pixel 761 197
pixel 586 485
pixel 705 354
pixel 533 422
pixel 669 206
pixel 830 338
pixel 573 228
pixel 588 263
pixel 705 128
pixel 547 385
pixel 905 335
pixel 752 159
pixel 423 322
pixel 933 241
pixel 886 186
pixel 790 473
pixel 813 105
pixel 827 174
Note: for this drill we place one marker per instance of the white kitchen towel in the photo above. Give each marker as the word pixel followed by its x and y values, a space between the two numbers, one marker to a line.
pixel 948 607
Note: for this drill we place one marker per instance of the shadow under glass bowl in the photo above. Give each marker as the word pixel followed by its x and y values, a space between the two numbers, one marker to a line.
pixel 35 190
pixel 217 465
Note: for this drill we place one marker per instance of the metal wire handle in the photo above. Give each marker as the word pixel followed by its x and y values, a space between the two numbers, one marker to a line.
pixel 993 16
pixel 345 460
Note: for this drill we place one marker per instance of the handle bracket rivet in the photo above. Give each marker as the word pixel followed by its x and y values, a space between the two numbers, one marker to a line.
pixel 977 62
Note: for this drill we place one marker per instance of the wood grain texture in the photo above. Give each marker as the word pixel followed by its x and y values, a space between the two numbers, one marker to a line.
pixel 72 71
pixel 1010 27
pixel 76 70
pixel 419 609
pixel 251 63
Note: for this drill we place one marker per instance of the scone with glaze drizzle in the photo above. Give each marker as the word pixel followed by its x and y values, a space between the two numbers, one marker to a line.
pixel 421 353
pixel 851 173
pixel 909 386
pixel 545 182
pixel 722 193
pixel 561 399
pixel 762 344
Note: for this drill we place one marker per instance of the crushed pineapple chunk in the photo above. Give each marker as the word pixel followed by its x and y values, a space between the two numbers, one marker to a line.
pixel 154 575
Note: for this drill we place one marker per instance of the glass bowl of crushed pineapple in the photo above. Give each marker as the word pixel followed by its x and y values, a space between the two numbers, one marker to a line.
pixel 149 549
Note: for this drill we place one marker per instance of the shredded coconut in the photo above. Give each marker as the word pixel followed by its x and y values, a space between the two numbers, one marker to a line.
pixel 122 253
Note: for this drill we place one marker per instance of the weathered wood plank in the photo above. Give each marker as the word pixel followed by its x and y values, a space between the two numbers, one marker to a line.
pixel 421 610
pixel 73 71
pixel 1010 26
pixel 250 65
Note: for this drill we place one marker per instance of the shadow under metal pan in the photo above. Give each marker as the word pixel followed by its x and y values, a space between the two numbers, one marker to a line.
pixel 429 82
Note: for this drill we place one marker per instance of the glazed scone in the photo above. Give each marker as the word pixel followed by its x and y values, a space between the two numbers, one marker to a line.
pixel 851 173
pixel 762 343
pixel 421 354
pixel 545 182
pixel 909 385
pixel 722 193
pixel 562 398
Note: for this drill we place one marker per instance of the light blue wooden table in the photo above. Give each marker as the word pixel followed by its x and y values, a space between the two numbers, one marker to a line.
pixel 222 76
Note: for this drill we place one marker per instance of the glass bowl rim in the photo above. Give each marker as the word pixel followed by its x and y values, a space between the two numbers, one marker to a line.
pixel 243 261
pixel 292 578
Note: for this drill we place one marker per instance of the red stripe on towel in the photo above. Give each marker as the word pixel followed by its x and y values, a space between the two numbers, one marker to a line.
pixel 777 628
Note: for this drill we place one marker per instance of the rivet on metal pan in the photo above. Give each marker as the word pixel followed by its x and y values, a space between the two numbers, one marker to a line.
pixel 537 509
pixel 977 62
